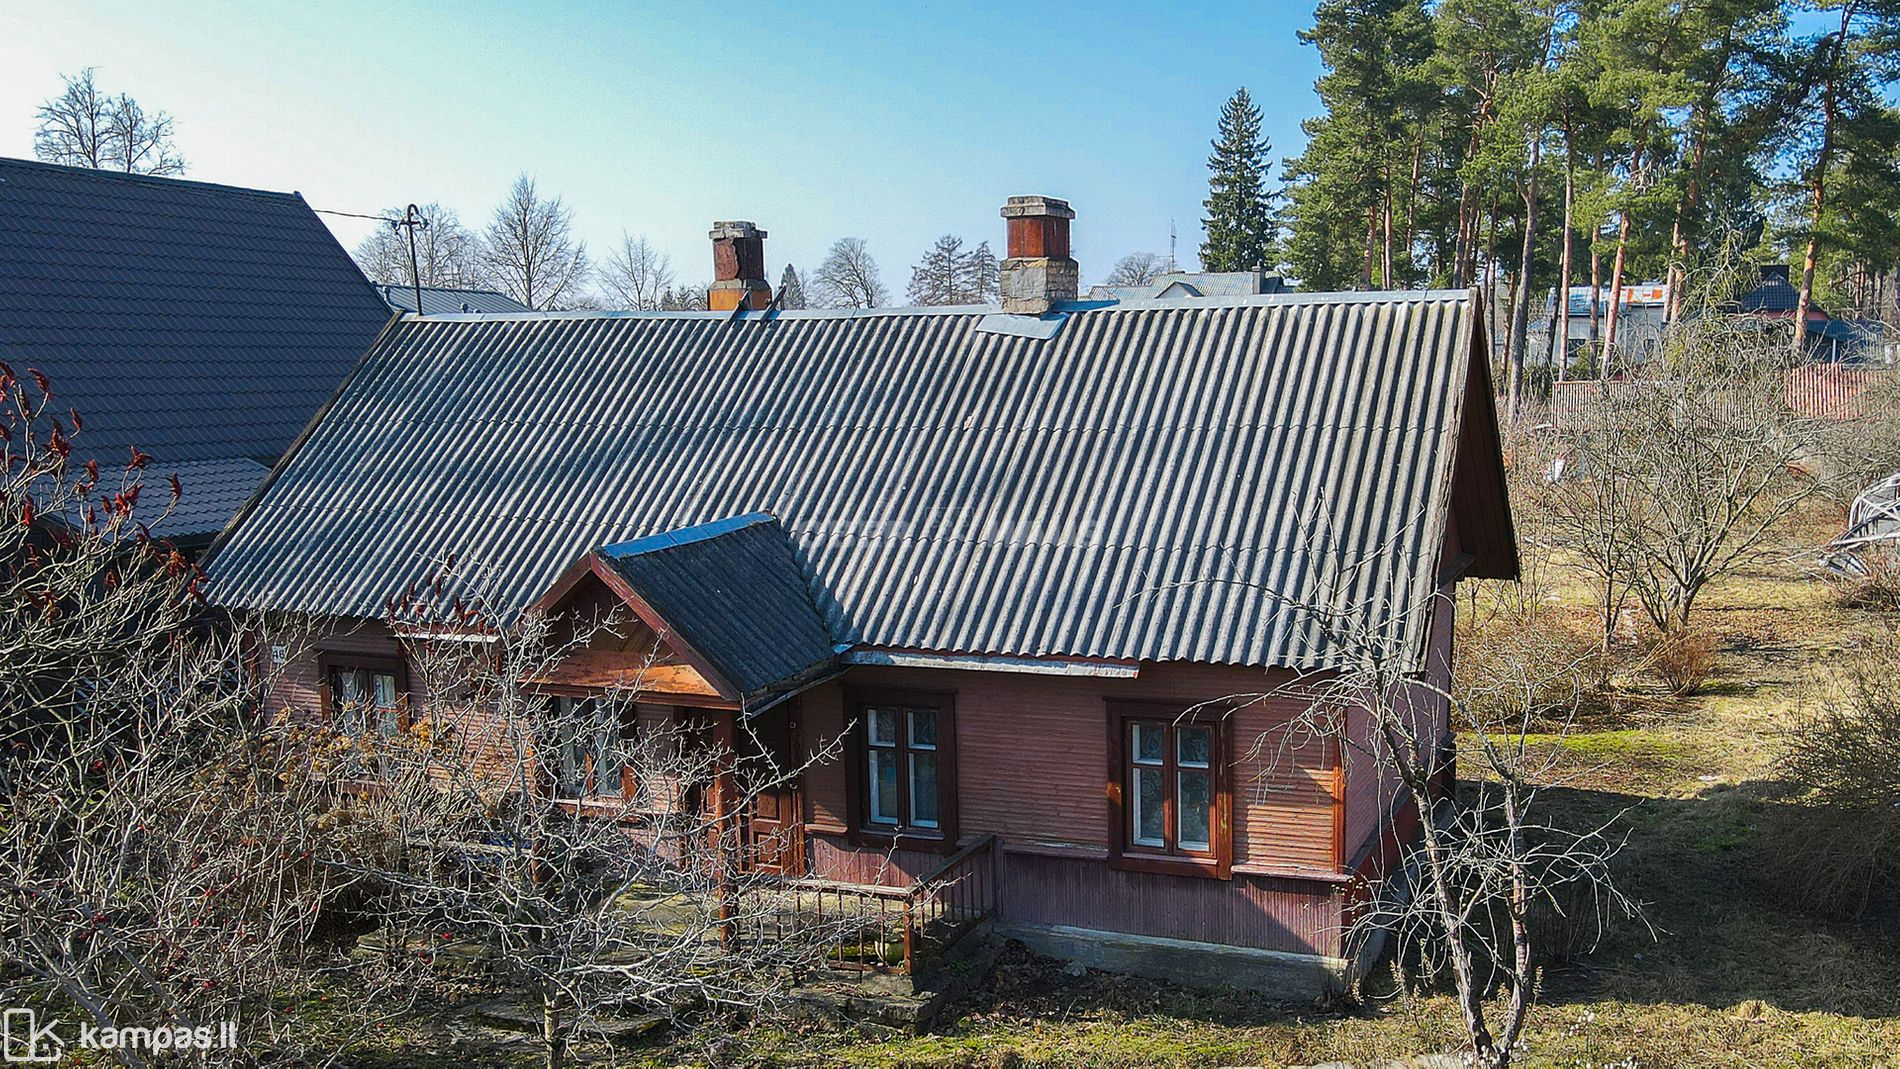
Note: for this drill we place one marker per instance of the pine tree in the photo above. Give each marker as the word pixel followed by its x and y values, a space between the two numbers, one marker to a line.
pixel 791 290
pixel 1239 223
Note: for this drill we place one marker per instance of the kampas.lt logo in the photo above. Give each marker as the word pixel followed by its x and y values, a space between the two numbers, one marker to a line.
pixel 25 1041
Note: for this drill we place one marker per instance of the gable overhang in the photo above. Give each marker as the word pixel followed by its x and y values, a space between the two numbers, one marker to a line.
pixel 1479 501
pixel 592 565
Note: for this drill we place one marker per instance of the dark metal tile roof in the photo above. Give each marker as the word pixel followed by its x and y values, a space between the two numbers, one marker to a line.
pixel 1160 481
pixel 733 590
pixel 210 493
pixel 194 321
pixel 438 300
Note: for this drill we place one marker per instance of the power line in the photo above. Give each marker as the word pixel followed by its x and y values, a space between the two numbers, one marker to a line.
pixel 354 215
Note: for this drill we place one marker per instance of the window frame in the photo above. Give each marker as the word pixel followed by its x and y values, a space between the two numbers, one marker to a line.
pixel 903 834
pixel 1217 860
pixel 330 663
pixel 604 716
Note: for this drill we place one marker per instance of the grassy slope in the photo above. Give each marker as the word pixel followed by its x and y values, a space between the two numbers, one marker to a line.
pixel 1730 977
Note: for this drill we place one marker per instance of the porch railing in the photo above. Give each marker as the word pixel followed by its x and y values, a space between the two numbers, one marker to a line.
pixel 943 906
pixel 887 929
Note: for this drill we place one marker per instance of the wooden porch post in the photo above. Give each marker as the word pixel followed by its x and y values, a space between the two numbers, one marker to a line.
pixel 725 822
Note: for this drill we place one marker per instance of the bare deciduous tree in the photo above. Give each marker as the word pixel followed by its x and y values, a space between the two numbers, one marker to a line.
pixel 1136 269
pixel 1464 900
pixel 158 837
pixel 848 277
pixel 596 855
pixel 636 275
pixel 1680 477
pixel 531 250
pixel 448 254
pixel 83 127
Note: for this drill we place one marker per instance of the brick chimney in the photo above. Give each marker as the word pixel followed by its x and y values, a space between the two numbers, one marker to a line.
pixel 738 267
pixel 1039 271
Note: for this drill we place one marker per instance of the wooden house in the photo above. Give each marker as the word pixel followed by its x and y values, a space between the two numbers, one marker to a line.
pixel 1043 567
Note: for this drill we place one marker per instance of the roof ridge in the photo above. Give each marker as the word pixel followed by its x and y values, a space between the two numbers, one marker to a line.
pixel 682 536
pixel 1263 300
pixel 155 180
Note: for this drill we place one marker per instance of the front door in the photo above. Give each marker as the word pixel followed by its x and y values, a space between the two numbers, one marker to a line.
pixel 774 832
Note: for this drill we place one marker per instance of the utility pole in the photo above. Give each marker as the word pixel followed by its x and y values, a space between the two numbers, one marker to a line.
pixel 1171 265
pixel 412 221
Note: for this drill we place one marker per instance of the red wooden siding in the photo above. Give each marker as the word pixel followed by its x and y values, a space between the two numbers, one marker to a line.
pixel 1371 791
pixel 1032 752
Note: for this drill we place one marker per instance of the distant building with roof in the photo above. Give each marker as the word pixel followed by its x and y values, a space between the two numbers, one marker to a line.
pixel 1183 285
pixel 448 300
pixel 202 324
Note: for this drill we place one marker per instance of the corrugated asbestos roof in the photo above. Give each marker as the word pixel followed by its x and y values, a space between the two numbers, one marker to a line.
pixel 194 321
pixel 1159 481
pixel 733 590
pixel 437 300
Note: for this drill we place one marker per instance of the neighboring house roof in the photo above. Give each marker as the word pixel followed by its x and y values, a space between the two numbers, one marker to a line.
pixel 439 300
pixel 1775 294
pixel 733 593
pixel 1176 285
pixel 1140 482
pixel 211 492
pixel 191 320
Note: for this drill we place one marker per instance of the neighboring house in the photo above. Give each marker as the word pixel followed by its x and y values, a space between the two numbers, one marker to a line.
pixel 1642 314
pixel 201 324
pixel 1181 285
pixel 444 300
pixel 1041 567
pixel 1775 296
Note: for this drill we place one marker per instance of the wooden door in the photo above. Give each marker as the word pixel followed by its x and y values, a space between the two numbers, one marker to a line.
pixel 774 831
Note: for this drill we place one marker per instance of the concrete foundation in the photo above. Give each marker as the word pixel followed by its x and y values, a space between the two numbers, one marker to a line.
pixel 1275 973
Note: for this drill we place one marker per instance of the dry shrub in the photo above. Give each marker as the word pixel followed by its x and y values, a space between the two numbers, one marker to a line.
pixel 1876 591
pixel 1837 850
pixel 1683 660
pixel 1523 657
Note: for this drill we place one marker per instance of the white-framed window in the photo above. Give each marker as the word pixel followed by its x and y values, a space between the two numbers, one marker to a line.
pixel 587 735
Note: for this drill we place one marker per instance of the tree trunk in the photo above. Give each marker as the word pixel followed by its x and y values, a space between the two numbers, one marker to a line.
pixel 553 1042
pixel 1560 338
pixel 1830 107
pixel 1616 296
pixel 1520 326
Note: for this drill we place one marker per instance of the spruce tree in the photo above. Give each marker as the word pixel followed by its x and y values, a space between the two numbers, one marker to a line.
pixel 791 290
pixel 1239 223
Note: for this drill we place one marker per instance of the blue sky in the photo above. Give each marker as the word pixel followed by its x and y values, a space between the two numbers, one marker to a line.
pixel 893 123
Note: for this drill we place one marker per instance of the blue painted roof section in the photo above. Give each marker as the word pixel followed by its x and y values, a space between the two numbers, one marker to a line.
pixel 735 591
pixel 210 493
pixel 195 321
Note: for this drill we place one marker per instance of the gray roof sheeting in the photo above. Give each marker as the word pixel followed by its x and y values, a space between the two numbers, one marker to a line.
pixel 733 590
pixel 1161 481
pixel 191 320
pixel 439 300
